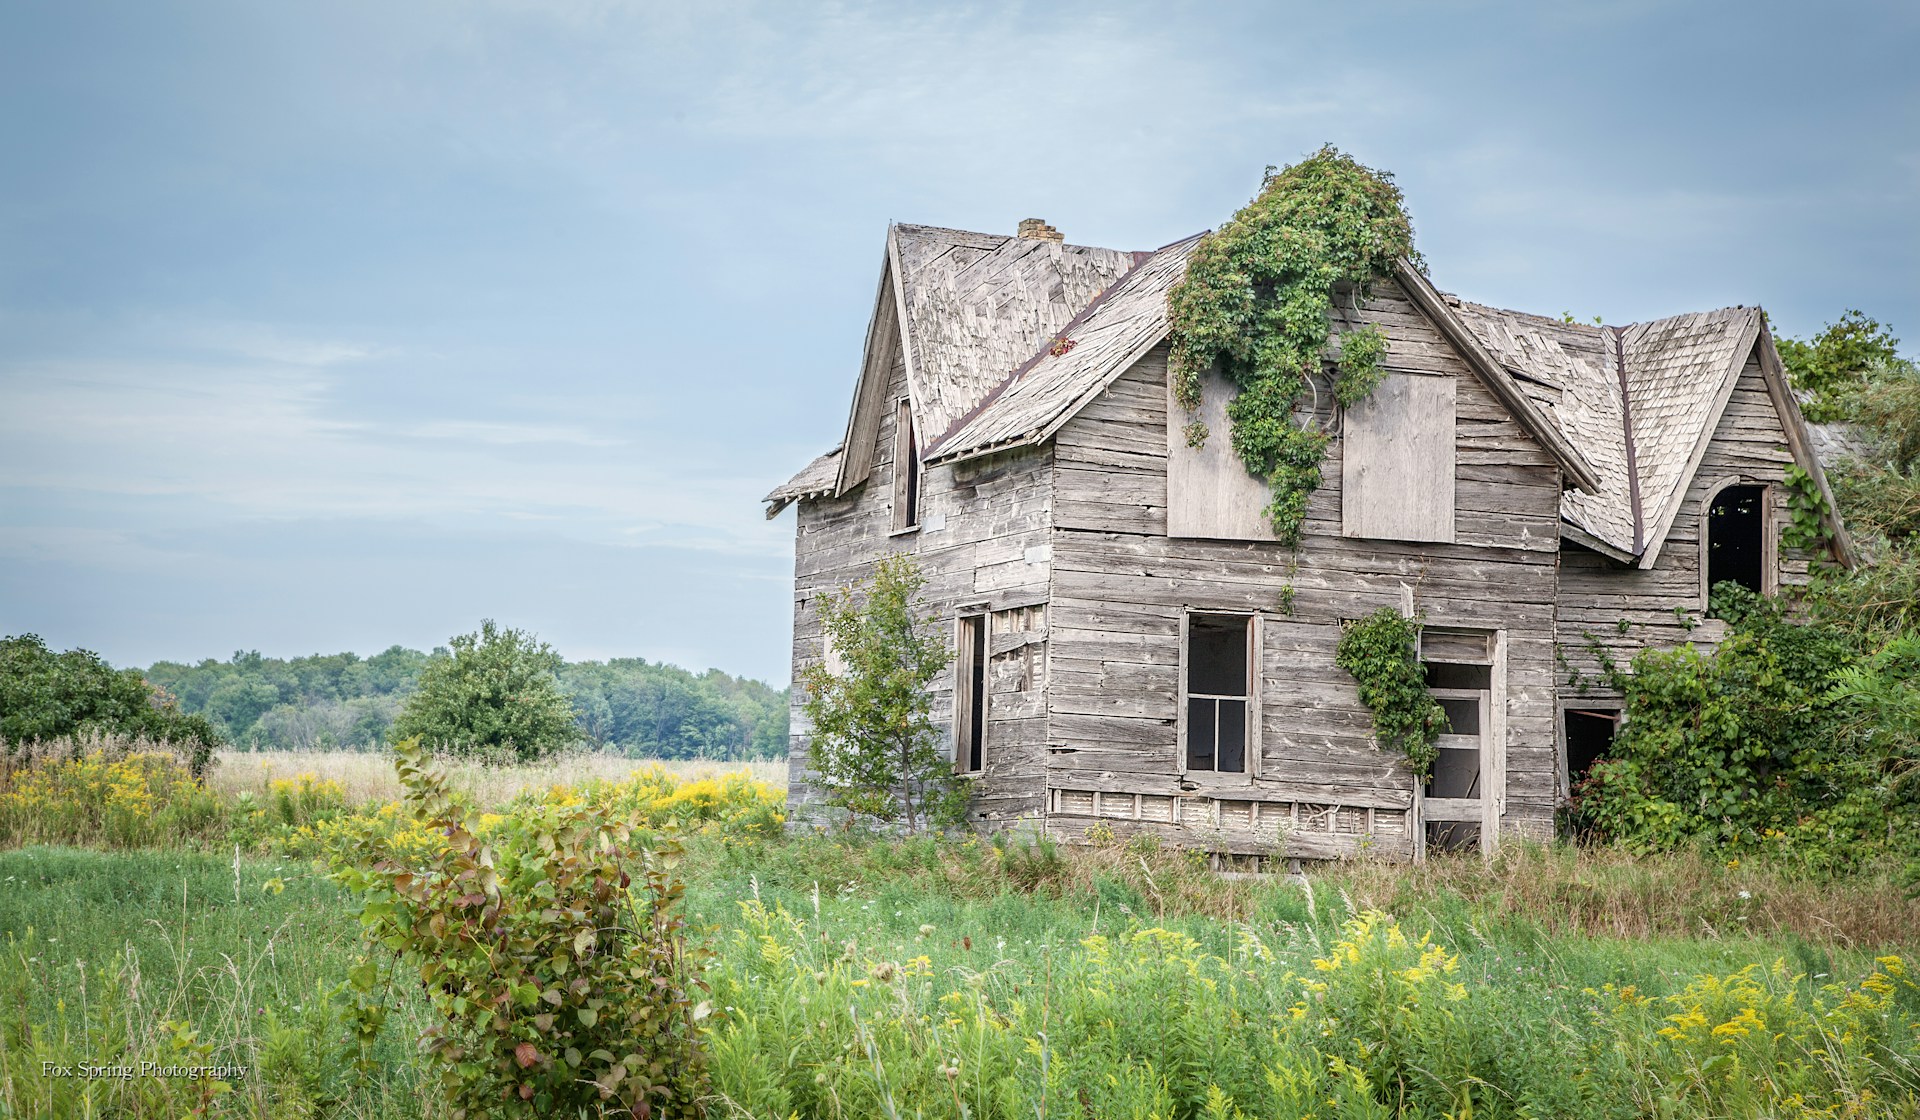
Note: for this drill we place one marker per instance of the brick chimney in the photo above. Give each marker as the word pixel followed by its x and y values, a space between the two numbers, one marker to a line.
pixel 1037 229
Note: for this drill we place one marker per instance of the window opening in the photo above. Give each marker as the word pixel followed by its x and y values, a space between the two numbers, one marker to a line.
pixel 906 470
pixel 970 699
pixel 1464 692
pixel 1217 685
pixel 1736 531
pixel 1589 739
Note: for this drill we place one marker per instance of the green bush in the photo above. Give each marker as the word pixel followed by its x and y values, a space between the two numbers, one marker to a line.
pixel 497 696
pixel 75 695
pixel 550 950
pixel 1793 734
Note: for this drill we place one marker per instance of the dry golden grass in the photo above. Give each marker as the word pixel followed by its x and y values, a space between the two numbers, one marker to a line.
pixel 368 776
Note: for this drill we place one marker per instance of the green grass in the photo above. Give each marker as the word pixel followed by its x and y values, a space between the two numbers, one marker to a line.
pixel 247 965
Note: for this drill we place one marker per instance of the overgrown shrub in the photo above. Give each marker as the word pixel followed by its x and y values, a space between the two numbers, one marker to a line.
pixel 1789 735
pixel 549 947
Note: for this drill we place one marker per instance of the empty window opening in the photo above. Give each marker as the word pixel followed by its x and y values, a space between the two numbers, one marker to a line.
pixel 1464 693
pixel 1590 734
pixel 1736 538
pixel 1453 836
pixel 1218 684
pixel 970 696
pixel 906 469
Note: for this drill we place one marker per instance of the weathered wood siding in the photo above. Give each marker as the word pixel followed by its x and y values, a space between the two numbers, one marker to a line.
pixel 1608 610
pixel 1121 588
pixel 983 546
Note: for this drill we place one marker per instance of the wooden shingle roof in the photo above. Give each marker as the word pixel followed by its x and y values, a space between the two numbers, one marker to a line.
pixel 1005 339
pixel 977 306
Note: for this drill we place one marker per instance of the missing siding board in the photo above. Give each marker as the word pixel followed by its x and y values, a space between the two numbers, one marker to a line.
pixel 1397 461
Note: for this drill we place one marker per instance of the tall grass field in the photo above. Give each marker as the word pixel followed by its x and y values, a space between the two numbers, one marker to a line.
pixel 175 947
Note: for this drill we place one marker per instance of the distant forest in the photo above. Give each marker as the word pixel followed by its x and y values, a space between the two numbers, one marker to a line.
pixel 629 705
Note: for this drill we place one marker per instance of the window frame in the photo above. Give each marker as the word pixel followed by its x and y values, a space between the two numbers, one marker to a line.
pixel 1492 802
pixel 970 674
pixel 1769 534
pixel 1255 708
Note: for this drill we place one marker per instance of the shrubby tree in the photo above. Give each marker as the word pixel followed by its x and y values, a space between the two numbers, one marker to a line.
pixel 47 695
pixel 496 693
pixel 874 748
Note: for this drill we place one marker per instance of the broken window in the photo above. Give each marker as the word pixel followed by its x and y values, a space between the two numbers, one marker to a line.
pixel 1396 461
pixel 970 695
pixel 1590 734
pixel 1459 671
pixel 1218 688
pixel 1735 539
pixel 906 470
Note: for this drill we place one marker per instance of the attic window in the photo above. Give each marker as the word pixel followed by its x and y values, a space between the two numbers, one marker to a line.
pixel 906 470
pixel 1734 544
pixel 1396 461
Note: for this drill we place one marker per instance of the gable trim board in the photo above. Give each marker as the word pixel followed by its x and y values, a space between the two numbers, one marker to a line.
pixel 1774 374
pixel 863 419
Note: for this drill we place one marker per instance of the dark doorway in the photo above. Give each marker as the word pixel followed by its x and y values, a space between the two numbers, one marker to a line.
pixel 1736 546
pixel 1589 739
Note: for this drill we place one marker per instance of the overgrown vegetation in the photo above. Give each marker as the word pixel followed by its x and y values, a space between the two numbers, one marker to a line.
pixel 1800 733
pixel 874 750
pixel 860 971
pixel 47 696
pixel 1794 735
pixel 1258 304
pixel 626 705
pixel 1837 363
pixel 1382 653
pixel 548 946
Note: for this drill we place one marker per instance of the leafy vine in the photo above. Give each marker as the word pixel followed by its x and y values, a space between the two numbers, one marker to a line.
pixel 1382 653
pixel 1809 513
pixel 1257 305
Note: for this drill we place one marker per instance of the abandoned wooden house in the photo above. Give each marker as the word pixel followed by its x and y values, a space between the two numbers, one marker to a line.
pixel 1133 649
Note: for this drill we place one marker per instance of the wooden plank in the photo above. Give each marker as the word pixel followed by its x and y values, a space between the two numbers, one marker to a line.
pixel 1208 491
pixel 1397 474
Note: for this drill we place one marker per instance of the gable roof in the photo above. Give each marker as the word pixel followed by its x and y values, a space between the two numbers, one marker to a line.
pixel 1005 339
pixel 1112 332
pixel 976 306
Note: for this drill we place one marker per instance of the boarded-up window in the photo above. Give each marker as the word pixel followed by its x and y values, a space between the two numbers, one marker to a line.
pixel 1209 492
pixel 1396 461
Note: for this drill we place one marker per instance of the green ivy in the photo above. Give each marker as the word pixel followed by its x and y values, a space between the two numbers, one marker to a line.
pixel 1809 514
pixel 1382 652
pixel 1257 303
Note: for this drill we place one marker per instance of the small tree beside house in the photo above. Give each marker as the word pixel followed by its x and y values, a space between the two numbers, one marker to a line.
pixel 876 751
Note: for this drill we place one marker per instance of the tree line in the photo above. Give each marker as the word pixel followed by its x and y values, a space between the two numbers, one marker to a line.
pixel 629 705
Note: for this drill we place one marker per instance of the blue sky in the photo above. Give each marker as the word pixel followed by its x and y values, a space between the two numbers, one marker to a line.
pixel 328 326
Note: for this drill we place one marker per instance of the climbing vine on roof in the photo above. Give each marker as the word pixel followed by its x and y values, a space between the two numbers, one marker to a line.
pixel 1258 301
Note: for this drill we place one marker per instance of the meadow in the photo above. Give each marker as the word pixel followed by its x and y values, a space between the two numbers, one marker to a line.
pixel 858 977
